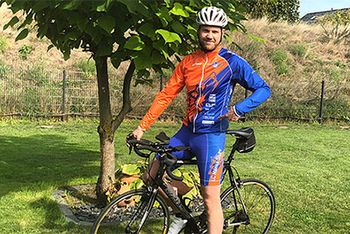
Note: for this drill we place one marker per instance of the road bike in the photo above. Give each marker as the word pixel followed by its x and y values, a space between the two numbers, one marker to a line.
pixel 248 204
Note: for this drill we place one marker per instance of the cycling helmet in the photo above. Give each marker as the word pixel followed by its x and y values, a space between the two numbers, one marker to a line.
pixel 212 16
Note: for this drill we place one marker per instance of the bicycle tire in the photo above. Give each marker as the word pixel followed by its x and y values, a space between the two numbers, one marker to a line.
pixel 259 201
pixel 130 209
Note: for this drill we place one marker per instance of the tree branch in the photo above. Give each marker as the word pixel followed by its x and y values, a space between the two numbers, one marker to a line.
pixel 126 108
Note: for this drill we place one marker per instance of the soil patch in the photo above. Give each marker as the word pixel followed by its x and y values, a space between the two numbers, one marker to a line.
pixel 78 203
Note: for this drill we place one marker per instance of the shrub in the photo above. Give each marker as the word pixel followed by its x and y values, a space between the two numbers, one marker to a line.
pixel 24 51
pixel 280 59
pixel 36 74
pixel 87 67
pixel 298 50
pixel 30 101
pixel 4 70
pixel 3 44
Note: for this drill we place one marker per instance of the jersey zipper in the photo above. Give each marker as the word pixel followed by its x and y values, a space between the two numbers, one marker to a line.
pixel 200 93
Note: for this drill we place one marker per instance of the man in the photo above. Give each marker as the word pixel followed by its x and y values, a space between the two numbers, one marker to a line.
pixel 209 75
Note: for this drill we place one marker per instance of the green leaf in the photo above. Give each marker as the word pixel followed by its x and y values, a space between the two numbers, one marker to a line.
pixel 189 9
pixel 40 5
pixel 104 49
pixel 130 169
pixel 135 7
pixel 50 47
pixel 167 3
pixel 142 59
pixel 178 9
pixel 136 184
pixel 177 172
pixel 12 22
pixel 104 7
pixel 157 58
pixel 134 43
pixel 178 27
pixel 147 29
pixel 72 5
pixel 192 32
pixel 106 22
pixel 257 38
pixel 169 36
pixel 23 34
pixel 164 16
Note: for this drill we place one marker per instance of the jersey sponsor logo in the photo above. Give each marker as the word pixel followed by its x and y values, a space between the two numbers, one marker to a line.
pixel 216 64
pixel 208 122
pixel 197 64
pixel 216 167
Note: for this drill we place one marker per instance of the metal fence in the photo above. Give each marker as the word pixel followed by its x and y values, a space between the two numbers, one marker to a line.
pixel 63 94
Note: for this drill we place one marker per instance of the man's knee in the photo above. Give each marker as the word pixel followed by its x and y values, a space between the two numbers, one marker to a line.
pixel 211 196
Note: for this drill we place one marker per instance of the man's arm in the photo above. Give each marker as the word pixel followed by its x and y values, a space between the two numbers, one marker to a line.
pixel 162 101
pixel 249 79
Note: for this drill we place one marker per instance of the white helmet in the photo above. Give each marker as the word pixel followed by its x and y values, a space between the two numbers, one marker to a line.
pixel 212 16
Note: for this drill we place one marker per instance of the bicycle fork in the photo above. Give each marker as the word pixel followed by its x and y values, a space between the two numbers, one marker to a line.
pixel 147 205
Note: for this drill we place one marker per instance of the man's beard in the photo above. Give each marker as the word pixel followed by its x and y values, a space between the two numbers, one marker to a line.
pixel 205 49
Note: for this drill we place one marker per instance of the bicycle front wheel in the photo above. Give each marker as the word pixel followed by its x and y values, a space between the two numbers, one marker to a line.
pixel 259 201
pixel 133 212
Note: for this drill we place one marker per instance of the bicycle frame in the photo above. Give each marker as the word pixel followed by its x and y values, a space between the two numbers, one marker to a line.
pixel 158 182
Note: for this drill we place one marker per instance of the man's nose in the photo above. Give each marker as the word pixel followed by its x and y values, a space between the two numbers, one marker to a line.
pixel 209 35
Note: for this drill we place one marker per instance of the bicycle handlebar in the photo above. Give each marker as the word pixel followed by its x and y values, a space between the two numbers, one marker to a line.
pixel 156 147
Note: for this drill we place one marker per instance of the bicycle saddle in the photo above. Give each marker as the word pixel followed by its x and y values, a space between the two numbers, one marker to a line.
pixel 242 133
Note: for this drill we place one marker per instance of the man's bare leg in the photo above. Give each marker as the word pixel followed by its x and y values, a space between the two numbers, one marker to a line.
pixel 211 196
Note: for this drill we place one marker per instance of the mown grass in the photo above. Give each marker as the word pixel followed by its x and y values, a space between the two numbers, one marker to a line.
pixel 307 166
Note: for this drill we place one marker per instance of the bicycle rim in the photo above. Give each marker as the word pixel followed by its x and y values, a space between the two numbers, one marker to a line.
pixel 133 212
pixel 260 204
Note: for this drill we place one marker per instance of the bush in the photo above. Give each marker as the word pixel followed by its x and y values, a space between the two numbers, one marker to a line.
pixel 3 44
pixel 30 101
pixel 24 51
pixel 36 74
pixel 280 59
pixel 87 67
pixel 4 70
pixel 298 50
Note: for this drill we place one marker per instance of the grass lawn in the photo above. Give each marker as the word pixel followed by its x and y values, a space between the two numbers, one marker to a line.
pixel 306 165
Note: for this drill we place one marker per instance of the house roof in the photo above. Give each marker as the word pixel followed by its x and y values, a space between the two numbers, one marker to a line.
pixel 312 17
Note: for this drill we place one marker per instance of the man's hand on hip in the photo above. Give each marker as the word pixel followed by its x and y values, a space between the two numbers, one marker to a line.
pixel 231 115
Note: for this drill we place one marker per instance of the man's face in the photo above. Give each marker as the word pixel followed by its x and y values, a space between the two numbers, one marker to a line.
pixel 209 37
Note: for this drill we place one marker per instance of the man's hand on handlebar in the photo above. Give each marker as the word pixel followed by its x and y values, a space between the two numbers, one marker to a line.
pixel 138 133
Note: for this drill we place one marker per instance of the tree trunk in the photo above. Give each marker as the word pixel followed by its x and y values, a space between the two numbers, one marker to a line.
pixel 108 126
pixel 106 132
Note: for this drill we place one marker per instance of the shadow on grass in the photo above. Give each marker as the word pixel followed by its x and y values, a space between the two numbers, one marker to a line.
pixel 41 161
pixel 53 218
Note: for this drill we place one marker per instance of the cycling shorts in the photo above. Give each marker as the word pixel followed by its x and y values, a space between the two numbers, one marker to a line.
pixel 208 148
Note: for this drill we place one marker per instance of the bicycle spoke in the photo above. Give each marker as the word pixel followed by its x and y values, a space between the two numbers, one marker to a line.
pixel 132 213
pixel 259 203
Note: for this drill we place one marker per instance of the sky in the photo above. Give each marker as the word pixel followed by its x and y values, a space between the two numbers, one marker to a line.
pixel 308 6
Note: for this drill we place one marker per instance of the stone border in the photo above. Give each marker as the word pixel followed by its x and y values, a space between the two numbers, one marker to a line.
pixel 64 207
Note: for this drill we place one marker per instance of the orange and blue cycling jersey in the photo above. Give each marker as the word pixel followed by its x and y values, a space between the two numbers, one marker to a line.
pixel 210 79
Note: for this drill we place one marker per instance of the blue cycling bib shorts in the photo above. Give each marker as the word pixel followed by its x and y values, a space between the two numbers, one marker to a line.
pixel 208 148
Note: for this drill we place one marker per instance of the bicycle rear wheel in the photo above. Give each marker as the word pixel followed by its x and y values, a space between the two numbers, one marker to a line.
pixel 260 204
pixel 133 212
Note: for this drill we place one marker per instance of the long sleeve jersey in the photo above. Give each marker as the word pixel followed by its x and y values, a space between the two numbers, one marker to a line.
pixel 209 78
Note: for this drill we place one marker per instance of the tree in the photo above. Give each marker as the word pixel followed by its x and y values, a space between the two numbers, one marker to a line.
pixel 336 25
pixel 119 30
pixel 273 9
